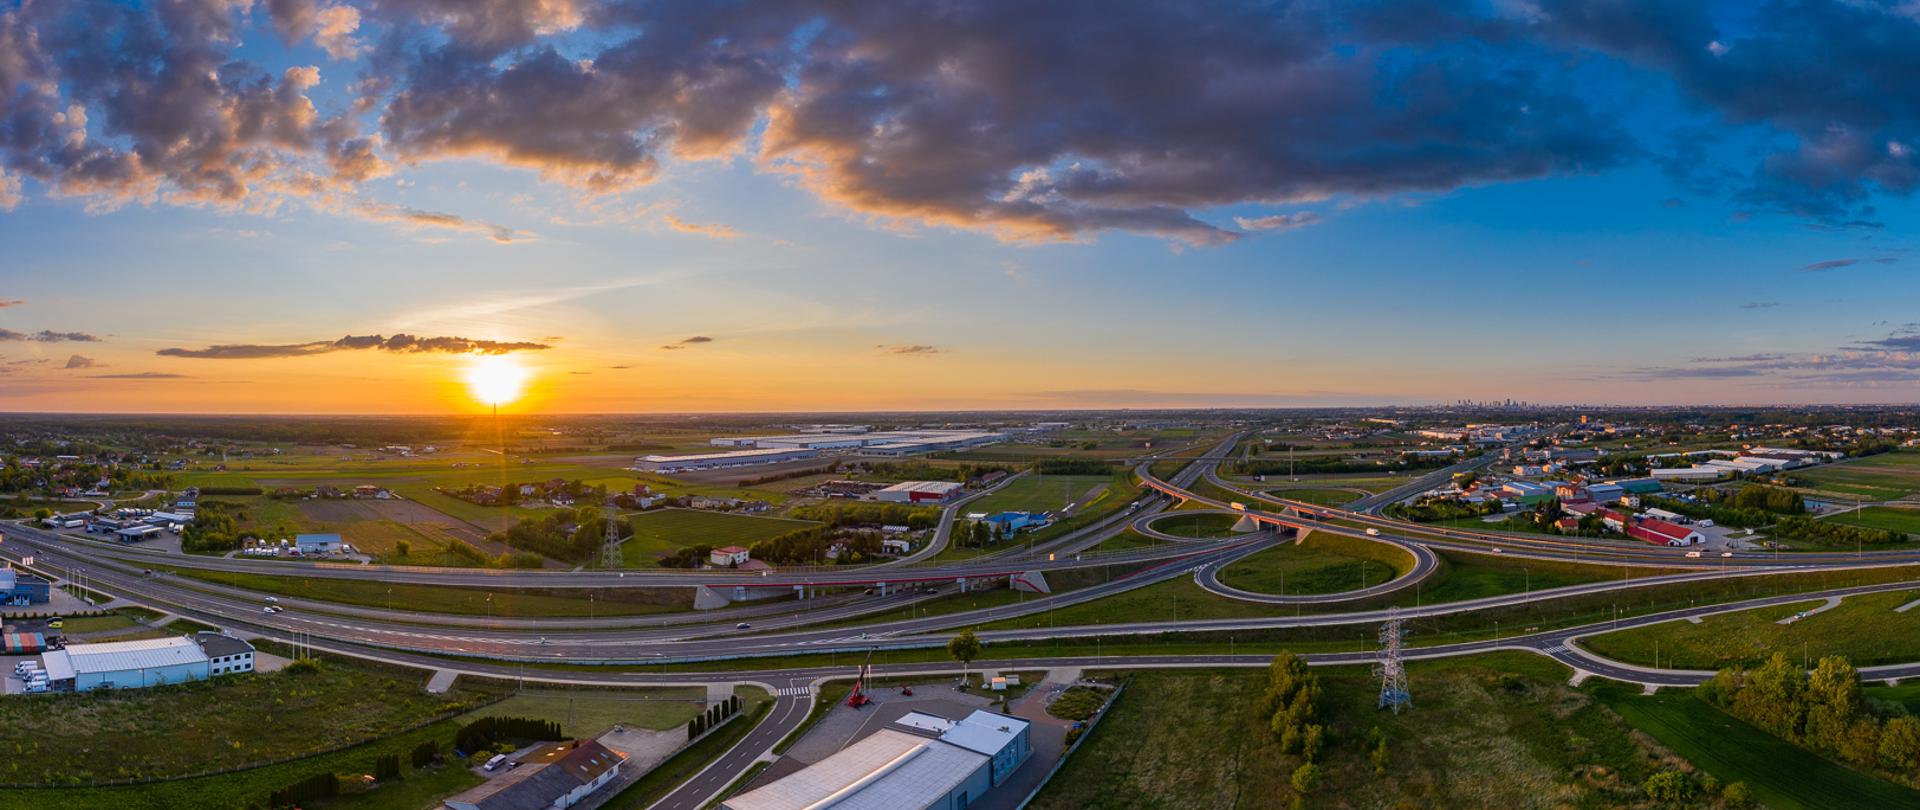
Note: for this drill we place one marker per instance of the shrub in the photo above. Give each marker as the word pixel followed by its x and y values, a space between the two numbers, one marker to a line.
pixel 1669 786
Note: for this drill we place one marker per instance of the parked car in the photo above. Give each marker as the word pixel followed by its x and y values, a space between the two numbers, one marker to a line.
pixel 496 761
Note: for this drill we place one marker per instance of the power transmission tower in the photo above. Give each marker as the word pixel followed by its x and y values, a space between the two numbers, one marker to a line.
pixel 1392 673
pixel 610 548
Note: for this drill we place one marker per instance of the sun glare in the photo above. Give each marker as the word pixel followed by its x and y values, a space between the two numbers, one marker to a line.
pixel 496 379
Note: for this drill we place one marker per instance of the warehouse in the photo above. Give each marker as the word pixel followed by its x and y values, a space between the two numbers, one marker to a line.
pixel 714 461
pixel 20 588
pixel 918 492
pixel 1664 533
pixel 921 761
pixel 126 664
pixel 317 543
pixel 889 443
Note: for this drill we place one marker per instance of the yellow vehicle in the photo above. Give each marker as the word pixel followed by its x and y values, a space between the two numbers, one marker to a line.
pixel 56 623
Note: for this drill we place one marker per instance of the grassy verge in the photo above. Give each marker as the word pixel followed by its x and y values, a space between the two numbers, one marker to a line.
pixel 683 766
pixel 503 602
pixel 1325 563
pixel 1200 525
pixel 1783 776
pixel 1863 628
pixel 664 531
pixel 588 712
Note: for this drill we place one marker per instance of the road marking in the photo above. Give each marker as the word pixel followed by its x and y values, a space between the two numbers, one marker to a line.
pixel 795 691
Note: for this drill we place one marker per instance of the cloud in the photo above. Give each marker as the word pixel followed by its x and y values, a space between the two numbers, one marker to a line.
pixel 78 361
pixel 716 231
pixel 140 375
pixel 10 194
pixel 1830 264
pixel 10 302
pixel 681 344
pixel 1760 305
pixel 416 218
pixel 47 336
pixel 1278 222
pixel 400 343
pixel 1889 360
pixel 911 349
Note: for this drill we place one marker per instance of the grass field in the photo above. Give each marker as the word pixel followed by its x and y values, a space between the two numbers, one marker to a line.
pixel 1782 775
pixel 1039 493
pixel 754 704
pixel 1323 497
pixel 1882 477
pixel 1881 517
pixel 663 531
pixel 208 725
pixel 1323 564
pixel 1199 525
pixel 1489 731
pixel 587 712
pixel 1863 628
pixel 462 601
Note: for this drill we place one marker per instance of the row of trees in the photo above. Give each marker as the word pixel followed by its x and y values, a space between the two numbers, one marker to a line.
pixel 1072 466
pixel 1291 705
pixel 1337 464
pixel 484 732
pixel 215 528
pixel 1829 533
pixel 563 534
pixel 713 717
pixel 1823 711
pixel 847 513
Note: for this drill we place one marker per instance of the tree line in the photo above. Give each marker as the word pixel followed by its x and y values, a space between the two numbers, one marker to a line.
pixel 1822 711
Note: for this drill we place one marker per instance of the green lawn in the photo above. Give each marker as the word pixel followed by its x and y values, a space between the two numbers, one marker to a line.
pixel 1199 525
pixel 1324 564
pixel 1490 731
pixel 462 601
pixel 663 531
pixel 1473 576
pixel 1324 497
pixel 1039 493
pixel 1863 628
pixel 1881 517
pixel 208 725
pixel 587 712
pixel 1782 775
pixel 683 766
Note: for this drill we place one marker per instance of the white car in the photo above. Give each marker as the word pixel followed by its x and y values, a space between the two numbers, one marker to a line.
pixel 272 599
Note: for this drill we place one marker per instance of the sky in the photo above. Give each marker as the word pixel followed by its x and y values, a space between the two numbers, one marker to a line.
pixel 341 206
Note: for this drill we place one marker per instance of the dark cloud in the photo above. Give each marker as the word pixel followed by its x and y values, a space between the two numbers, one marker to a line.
pixel 1760 305
pixel 401 343
pixel 47 336
pixel 1893 359
pixel 1745 358
pixel 1830 264
pixel 913 349
pixel 416 218
pixel 78 361
pixel 681 344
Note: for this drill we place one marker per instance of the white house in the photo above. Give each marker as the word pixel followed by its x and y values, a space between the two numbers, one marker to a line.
pixel 728 556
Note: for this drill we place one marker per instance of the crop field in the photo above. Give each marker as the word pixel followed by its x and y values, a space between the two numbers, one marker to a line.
pixel 1883 477
pixel 1488 731
pixel 1863 628
pixel 1040 493
pixel 663 531
pixel 461 601
pixel 1324 564
pixel 1783 776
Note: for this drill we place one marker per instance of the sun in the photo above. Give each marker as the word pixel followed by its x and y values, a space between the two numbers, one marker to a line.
pixel 496 379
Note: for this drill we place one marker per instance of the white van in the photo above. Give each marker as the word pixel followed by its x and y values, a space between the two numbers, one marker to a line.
pixel 1693 554
pixel 496 761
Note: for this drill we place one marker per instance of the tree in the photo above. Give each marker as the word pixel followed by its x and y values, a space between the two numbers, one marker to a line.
pixel 964 648
pixel 1306 778
pixel 401 547
pixel 1669 786
pixel 1774 697
pixel 1833 699
pixel 1312 739
pixel 1900 744
pixel 1737 795
pixel 1379 757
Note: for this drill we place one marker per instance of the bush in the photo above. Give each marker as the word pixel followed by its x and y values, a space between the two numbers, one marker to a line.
pixel 302 666
pixel 318 786
pixel 1669 786
pixel 1737 795
pixel 424 754
pixel 1825 533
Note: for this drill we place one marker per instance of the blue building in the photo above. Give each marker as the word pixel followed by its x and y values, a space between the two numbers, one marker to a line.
pixel 20 588
pixel 1006 524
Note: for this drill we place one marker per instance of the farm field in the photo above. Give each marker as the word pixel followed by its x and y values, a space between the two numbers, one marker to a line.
pixel 1040 493
pixel 663 531
pixel 1883 477
pixel 1489 731
pixel 1328 564
pixel 1782 775
pixel 1863 628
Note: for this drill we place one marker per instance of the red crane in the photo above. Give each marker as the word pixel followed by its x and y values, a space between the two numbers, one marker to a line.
pixel 859 696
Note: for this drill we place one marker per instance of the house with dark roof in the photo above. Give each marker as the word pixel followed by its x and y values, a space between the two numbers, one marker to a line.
pixel 551 777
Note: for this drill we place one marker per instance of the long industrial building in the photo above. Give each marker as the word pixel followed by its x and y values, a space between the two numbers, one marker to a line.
pixel 715 461
pixel 920 761
pixel 884 443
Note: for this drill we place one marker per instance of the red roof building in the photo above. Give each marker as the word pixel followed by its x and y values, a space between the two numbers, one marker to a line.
pixel 1664 533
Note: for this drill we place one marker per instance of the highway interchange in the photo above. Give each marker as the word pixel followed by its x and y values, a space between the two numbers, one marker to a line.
pixel 504 647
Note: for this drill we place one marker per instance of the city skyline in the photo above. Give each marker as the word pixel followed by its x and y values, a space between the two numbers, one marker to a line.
pixel 1368 206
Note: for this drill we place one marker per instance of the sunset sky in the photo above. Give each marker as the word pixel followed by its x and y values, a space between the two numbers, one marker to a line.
pixel 335 206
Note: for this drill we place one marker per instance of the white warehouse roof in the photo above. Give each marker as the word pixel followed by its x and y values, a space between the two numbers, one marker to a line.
pixel 985 732
pixel 888 770
pixel 117 656
pixel 941 487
